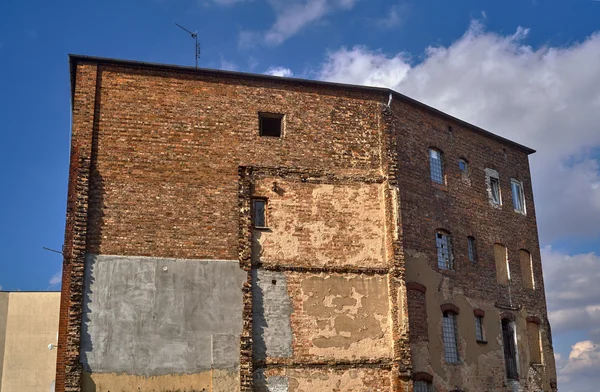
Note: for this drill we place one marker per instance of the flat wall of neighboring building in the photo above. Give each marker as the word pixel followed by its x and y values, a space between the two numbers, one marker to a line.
pixel 3 319
pixel 31 323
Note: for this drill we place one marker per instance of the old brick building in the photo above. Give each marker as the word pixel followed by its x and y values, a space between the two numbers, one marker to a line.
pixel 237 232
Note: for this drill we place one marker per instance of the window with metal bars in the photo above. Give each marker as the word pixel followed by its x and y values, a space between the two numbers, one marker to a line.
pixel 422 386
pixel 479 329
pixel 450 338
pixel 510 350
pixel 444 250
pixel 436 166
pixel 471 249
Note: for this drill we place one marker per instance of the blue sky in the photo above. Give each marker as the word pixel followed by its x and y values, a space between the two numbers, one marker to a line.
pixel 528 70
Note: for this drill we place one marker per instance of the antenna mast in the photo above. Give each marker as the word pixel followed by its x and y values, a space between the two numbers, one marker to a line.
pixel 194 35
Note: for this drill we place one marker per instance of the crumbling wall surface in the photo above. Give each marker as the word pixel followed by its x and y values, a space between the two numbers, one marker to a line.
pixel 461 207
pixel 311 380
pixel 318 224
pixel 331 316
pixel 320 284
pixel 146 320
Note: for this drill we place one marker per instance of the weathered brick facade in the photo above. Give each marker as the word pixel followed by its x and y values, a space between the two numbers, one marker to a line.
pixel 341 289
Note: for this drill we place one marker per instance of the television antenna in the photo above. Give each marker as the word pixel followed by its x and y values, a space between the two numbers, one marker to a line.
pixel 194 35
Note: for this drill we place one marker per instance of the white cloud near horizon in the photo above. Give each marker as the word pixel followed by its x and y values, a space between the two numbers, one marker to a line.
pixel 56 279
pixel 291 17
pixel 279 71
pixel 545 98
pixel 579 372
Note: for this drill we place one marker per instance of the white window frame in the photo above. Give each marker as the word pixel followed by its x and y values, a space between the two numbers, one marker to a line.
pixel 518 195
pixel 491 177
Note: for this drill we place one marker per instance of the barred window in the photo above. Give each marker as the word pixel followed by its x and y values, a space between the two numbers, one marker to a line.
pixel 422 386
pixel 444 250
pixel 479 328
pixel 436 165
pixel 471 248
pixel 449 335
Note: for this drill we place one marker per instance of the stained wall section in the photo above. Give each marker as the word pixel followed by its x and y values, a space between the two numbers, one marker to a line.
pixel 158 317
pixel 320 286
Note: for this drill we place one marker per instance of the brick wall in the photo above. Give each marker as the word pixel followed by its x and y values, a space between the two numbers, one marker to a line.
pixel 462 208
pixel 170 159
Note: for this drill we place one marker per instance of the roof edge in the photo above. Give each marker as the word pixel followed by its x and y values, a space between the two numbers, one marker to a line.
pixel 74 59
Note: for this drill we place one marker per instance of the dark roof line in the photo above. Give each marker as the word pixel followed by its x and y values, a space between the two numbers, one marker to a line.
pixel 75 58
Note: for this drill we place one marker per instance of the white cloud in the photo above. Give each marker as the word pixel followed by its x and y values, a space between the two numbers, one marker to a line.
pixel 573 293
pixel 393 17
pixel 292 16
pixel 546 98
pixel 228 65
pixel 0 287
pixel 580 371
pixel 56 279
pixel 280 71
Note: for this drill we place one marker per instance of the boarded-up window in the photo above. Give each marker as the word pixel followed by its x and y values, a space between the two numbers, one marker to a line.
pixel 533 334
pixel 502 269
pixel 526 269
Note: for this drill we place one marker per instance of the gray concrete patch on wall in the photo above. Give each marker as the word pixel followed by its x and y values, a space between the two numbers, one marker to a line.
pixel 155 316
pixel 269 384
pixel 271 311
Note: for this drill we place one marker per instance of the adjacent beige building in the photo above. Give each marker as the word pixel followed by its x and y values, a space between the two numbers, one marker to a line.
pixel 28 324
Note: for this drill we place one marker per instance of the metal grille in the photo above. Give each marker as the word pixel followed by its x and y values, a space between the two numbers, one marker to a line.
pixel 479 328
pixel 495 185
pixel 450 338
pixel 517 195
pixel 444 251
pixel 471 247
pixel 259 213
pixel 422 386
pixel 510 352
pixel 437 170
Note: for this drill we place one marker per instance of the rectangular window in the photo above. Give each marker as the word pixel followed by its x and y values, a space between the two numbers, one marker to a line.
pixel 436 165
pixel 450 337
pixel 501 261
pixel 479 329
pixel 516 187
pixel 535 352
pixel 260 219
pixel 495 189
pixel 270 124
pixel 422 386
pixel 510 351
pixel 471 249
pixel 444 251
pixel 526 269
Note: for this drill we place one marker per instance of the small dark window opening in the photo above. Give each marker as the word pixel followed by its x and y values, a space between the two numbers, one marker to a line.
pixel 510 351
pixel 463 165
pixel 471 249
pixel 274 281
pixel 271 124
pixel 260 219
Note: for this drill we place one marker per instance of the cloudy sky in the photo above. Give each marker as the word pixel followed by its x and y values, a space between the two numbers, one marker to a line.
pixel 528 70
